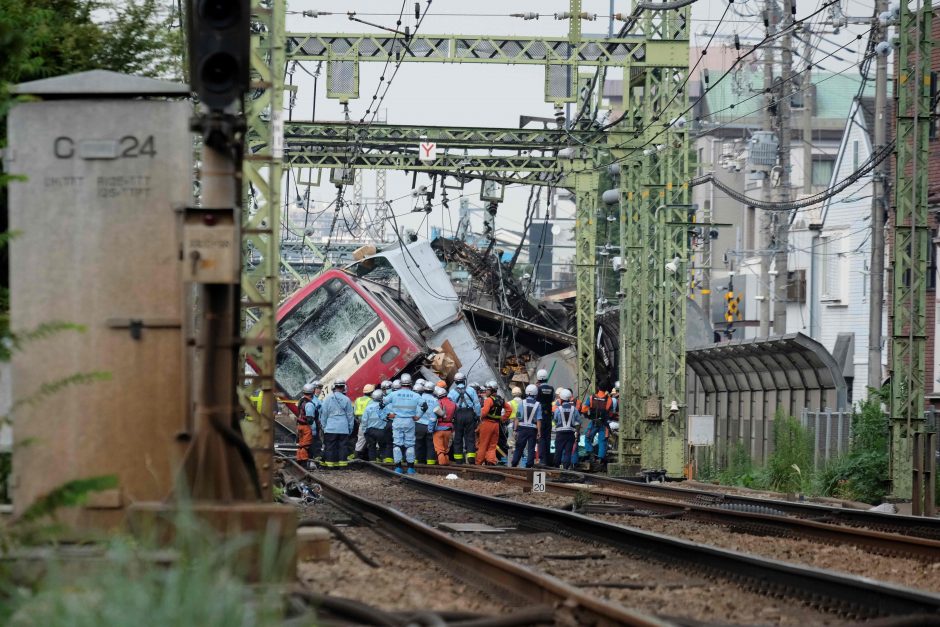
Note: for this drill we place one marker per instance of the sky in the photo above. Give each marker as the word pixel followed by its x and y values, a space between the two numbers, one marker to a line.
pixel 495 95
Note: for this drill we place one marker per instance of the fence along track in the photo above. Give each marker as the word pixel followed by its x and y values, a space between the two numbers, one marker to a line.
pixel 761 519
pixel 851 596
pixel 451 554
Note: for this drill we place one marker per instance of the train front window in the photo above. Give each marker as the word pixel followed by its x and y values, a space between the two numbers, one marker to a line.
pixel 341 316
pixel 292 371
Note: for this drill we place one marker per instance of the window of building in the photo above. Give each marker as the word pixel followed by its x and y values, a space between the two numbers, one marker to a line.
pixel 823 165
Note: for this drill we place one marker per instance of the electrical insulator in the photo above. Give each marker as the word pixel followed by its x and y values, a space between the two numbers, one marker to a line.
pixel 565 15
pixel 316 13
pixel 528 15
pixel 737 42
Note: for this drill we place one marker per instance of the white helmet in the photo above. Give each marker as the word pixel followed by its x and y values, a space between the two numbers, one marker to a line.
pixel 440 392
pixel 418 386
pixel 617 385
pixel 420 382
pixel 406 380
pixel 309 388
pixel 492 385
pixel 377 395
pixel 565 394
pixel 460 378
pixel 386 385
pixel 541 375
pixel 396 384
pixel 531 390
pixel 339 384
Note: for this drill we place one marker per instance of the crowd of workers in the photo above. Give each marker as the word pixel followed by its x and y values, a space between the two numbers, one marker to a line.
pixel 403 421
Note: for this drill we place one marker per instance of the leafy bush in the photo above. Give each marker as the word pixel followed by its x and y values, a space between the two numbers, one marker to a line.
pixel 861 474
pixel 790 467
pixel 740 470
pixel 203 587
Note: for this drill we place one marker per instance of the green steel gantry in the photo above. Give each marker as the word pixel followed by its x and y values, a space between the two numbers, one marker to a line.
pixel 653 146
pixel 911 245
pixel 261 183
pixel 653 58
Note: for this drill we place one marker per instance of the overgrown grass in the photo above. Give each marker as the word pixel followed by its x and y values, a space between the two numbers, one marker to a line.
pixel 204 585
pixel 862 473
pixel 859 475
pixel 790 467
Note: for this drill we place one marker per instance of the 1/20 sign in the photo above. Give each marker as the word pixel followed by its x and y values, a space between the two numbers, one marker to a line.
pixel 538 481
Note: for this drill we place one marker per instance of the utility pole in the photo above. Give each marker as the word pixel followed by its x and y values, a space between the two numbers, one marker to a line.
pixel 782 218
pixel 766 225
pixel 878 204
pixel 809 97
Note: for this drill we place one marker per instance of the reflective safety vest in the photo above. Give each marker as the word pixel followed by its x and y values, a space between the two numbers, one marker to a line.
pixel 528 411
pixel 565 417
pixel 514 403
pixel 360 407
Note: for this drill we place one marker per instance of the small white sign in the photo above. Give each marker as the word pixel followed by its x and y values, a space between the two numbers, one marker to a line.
pixel 701 430
pixel 277 134
pixel 427 151
pixel 538 481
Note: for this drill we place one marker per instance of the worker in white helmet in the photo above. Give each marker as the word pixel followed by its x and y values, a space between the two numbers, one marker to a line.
pixel 528 425
pixel 402 408
pixel 306 423
pixel 338 422
pixel 567 426
pixel 466 419
pixel 546 398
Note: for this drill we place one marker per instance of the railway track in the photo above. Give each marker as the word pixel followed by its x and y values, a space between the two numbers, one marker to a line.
pixel 915 526
pixel 763 518
pixel 826 592
pixel 571 606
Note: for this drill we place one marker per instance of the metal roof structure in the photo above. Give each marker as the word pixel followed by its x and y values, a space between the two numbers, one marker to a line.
pixel 743 383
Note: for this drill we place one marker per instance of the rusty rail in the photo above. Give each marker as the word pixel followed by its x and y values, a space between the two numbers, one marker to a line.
pixel 767 522
pixel 855 596
pixel 916 526
pixel 446 552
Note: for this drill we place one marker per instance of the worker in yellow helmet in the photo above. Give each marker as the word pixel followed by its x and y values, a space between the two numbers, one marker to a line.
pixel 359 408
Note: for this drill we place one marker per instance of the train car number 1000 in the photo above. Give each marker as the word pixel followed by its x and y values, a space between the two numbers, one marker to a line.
pixel 369 346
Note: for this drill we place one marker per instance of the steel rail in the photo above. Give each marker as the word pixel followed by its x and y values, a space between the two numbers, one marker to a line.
pixel 847 594
pixel 759 521
pixel 916 526
pixel 535 587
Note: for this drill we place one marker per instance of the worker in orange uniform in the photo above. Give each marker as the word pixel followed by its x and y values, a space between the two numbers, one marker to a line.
pixel 444 427
pixel 494 412
pixel 306 423
pixel 598 408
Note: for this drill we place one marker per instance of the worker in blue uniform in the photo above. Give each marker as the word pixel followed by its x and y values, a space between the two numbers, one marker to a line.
pixel 338 422
pixel 466 418
pixel 528 426
pixel 373 425
pixel 424 427
pixel 403 409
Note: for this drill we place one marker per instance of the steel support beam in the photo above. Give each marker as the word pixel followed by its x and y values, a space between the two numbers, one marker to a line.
pixel 653 184
pixel 911 242
pixel 260 243
pixel 587 195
